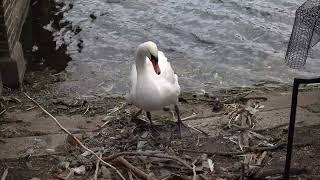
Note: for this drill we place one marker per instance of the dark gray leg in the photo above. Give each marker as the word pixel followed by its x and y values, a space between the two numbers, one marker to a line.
pixel 152 126
pixel 176 108
pixel 149 117
pixel 135 115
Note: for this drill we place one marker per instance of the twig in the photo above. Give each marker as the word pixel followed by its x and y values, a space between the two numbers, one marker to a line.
pixel 86 110
pixel 198 141
pixel 272 172
pixel 239 128
pixel 196 129
pixel 97 167
pixel 151 154
pixel 134 169
pixel 248 150
pixel 275 127
pixel 30 108
pixel 112 112
pixel 2 112
pixel 194 172
pixel 189 117
pixel 76 139
pixel 4 175
pixel 71 173
pixel 130 175
pixel 201 117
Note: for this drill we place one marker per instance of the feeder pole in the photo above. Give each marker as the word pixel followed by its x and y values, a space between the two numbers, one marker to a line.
pixel 291 126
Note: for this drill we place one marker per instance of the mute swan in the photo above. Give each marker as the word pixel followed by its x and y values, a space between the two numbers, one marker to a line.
pixel 153 82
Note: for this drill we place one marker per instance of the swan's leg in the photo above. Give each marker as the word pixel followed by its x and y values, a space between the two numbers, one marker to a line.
pixel 176 108
pixel 149 117
pixel 152 126
pixel 136 114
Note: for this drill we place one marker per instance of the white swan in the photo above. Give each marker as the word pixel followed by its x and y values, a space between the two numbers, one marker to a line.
pixel 153 82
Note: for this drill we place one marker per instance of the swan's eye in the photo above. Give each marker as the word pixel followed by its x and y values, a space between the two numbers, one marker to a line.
pixel 154 59
pixel 155 64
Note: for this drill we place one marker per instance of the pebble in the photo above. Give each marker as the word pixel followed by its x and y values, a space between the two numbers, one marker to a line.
pixel 106 174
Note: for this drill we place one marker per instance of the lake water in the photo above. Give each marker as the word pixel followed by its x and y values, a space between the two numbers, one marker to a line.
pixel 211 44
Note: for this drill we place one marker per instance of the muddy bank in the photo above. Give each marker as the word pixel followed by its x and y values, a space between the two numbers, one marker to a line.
pixel 251 146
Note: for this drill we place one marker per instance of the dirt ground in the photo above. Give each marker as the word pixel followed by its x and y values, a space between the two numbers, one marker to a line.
pixel 238 133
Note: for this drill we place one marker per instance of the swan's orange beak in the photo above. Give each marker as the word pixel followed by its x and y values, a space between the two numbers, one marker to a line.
pixel 155 65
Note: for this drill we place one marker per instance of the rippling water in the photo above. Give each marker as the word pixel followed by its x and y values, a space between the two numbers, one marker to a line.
pixel 211 44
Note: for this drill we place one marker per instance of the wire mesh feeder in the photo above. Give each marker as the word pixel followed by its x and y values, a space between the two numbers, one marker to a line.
pixel 305 33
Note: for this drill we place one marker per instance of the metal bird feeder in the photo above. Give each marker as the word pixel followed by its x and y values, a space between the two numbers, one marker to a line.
pixel 305 34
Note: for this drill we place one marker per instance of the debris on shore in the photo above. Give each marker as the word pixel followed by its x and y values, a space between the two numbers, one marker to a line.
pixel 225 139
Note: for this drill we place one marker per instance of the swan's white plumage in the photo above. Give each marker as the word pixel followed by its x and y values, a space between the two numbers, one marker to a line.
pixel 150 91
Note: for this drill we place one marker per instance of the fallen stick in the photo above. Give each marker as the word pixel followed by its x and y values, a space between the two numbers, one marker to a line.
pixel 189 117
pixel 198 130
pixel 151 154
pixel 86 110
pixel 4 175
pixel 247 150
pixel 272 172
pixel 194 172
pixel 112 112
pixel 2 112
pixel 239 128
pixel 134 169
pixel 275 127
pixel 97 168
pixel 130 175
pixel 202 117
pixel 76 139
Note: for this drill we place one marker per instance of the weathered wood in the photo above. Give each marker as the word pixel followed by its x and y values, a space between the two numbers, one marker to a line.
pixel 12 63
pixel 12 17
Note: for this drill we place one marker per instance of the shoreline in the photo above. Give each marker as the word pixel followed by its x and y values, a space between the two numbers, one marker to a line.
pixel 25 129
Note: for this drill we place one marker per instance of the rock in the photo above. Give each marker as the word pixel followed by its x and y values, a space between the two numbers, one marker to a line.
pixel 93 17
pixel 81 170
pixel 34 178
pixel 85 161
pixel 106 173
pixel 64 165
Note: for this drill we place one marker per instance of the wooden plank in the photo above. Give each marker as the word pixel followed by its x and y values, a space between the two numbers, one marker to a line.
pixel 21 9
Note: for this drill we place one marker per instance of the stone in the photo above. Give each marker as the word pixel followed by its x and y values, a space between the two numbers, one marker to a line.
pixel 106 173
pixel 80 170
pixel 13 69
pixel 34 178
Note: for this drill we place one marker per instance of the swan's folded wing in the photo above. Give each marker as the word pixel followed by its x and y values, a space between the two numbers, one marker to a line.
pixel 166 69
pixel 133 78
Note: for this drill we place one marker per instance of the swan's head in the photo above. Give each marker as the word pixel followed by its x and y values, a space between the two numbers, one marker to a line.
pixel 151 51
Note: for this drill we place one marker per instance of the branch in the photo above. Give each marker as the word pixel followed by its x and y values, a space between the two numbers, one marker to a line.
pixel 4 175
pixel 151 154
pixel 247 150
pixel 76 139
pixel 97 167
pixel 134 169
